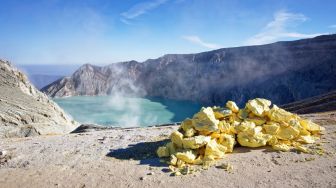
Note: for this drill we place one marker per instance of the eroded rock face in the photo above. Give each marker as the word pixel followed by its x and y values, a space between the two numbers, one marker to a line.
pixel 282 72
pixel 25 111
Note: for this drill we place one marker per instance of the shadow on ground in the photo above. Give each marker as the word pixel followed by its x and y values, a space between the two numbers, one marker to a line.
pixel 145 152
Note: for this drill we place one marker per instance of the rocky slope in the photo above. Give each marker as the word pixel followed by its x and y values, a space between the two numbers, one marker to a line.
pixel 282 72
pixel 320 103
pixel 25 111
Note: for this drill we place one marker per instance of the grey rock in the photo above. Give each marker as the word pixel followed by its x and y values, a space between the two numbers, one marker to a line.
pixel 25 111
pixel 90 128
pixel 282 72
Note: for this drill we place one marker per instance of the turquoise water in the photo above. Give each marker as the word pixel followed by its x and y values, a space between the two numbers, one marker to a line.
pixel 126 111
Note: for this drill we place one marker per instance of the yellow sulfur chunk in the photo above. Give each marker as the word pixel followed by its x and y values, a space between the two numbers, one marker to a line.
pixel 180 163
pixel 256 120
pixel 177 137
pixel 198 160
pixel 271 128
pixel 228 141
pixel 258 106
pixel 310 126
pixel 253 138
pixel 173 160
pixel 171 148
pixel 186 124
pixel 232 106
pixel 187 127
pixel 224 127
pixel 221 113
pixel 234 118
pixel 244 126
pixel 195 142
pixel 306 139
pixel 242 114
pixel 273 140
pixel 205 120
pixel 296 124
pixel 287 133
pixel 186 156
pixel 281 147
pixel 215 135
pixel 301 148
pixel 190 132
pixel 163 151
pixel 214 150
pixel 277 114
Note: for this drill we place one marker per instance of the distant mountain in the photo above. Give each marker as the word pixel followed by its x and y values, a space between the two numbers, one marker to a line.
pixel 40 81
pixel 25 111
pixel 283 72
pixel 43 75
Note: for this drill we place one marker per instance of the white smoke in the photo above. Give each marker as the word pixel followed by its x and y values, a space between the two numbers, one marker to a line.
pixel 124 99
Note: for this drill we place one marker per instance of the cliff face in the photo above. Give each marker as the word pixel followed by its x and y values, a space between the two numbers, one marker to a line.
pixel 283 72
pixel 25 111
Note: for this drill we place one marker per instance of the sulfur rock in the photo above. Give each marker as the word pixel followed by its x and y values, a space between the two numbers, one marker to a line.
pixel 258 106
pixel 277 114
pixel 243 114
pixel 177 138
pixel 281 147
pixel 232 106
pixel 306 139
pixel 187 156
pixel 212 132
pixel 171 148
pixel 195 142
pixel 214 150
pixel 205 120
pixel 253 138
pixel 301 148
pixel 186 124
pixel 173 160
pixel 271 128
pixel 310 126
pixel 257 120
pixel 163 151
pixel 287 133
pixel 228 141
pixel 244 126
pixel 221 113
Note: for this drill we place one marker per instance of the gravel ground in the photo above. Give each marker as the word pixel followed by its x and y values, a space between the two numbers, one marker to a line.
pixel 126 158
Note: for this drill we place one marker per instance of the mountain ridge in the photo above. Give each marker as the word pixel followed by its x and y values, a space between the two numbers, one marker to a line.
pixel 283 72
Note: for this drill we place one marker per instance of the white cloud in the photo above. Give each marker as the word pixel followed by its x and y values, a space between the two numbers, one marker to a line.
pixel 278 29
pixel 139 9
pixel 198 41
pixel 332 26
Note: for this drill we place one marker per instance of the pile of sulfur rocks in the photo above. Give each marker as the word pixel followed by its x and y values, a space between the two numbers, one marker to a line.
pixel 212 132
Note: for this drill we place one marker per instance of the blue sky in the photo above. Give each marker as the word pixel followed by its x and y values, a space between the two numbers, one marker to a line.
pixel 107 31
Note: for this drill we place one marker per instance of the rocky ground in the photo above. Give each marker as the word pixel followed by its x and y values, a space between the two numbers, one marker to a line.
pixel 126 158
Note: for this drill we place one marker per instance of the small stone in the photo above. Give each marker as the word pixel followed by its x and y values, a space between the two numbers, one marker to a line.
pixel 226 166
pixel 142 178
pixel 177 173
pixel 3 153
pixel 150 173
